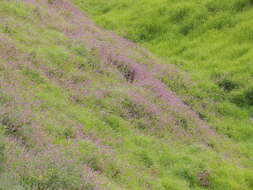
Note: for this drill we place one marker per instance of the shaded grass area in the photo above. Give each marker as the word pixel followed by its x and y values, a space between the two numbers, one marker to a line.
pixel 210 39
pixel 67 121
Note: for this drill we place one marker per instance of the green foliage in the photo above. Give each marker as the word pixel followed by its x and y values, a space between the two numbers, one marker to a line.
pixel 249 96
pixel 51 1
pixel 228 85
pixel 2 151
pixel 144 158
pixel 106 140
pixel 34 76
pixel 209 39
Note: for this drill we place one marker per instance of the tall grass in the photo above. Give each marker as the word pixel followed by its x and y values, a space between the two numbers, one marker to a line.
pixel 68 123
pixel 209 39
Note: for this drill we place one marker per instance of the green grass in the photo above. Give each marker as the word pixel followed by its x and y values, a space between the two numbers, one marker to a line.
pixel 47 100
pixel 210 40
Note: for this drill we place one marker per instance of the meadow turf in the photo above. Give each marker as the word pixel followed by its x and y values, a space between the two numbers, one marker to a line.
pixel 211 40
pixel 68 121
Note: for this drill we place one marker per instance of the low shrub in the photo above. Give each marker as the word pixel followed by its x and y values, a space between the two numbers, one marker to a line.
pixel 248 94
pixel 145 158
pixel 228 84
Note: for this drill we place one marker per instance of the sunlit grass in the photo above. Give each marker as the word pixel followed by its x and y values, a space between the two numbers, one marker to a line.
pixel 55 133
pixel 210 39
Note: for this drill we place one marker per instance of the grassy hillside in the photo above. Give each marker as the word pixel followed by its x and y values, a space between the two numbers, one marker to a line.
pixel 210 39
pixel 83 109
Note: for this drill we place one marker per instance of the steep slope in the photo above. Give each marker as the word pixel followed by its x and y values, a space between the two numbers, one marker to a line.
pixel 210 39
pixel 82 108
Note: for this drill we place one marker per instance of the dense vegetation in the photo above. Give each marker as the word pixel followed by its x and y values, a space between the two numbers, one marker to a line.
pixel 70 121
pixel 210 39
